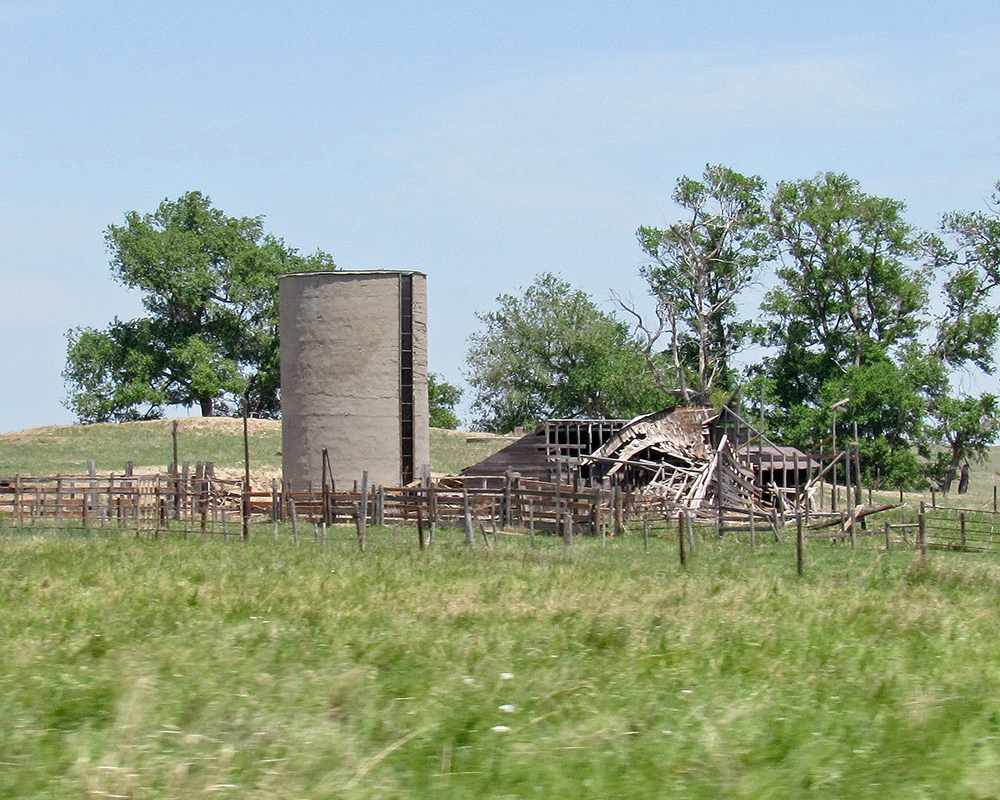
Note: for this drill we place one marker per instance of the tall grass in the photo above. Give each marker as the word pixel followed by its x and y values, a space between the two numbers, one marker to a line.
pixel 184 667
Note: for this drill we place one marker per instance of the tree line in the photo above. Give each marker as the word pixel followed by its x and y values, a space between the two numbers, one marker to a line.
pixel 859 306
pixel 860 310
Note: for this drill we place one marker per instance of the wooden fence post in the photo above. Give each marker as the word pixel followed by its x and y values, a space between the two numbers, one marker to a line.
pixel 109 507
pixel 961 519
pixel 84 502
pixel 753 531
pixel 505 515
pixel 362 514
pixel 922 531
pixel 93 495
pixel 469 535
pixel 680 537
pixel 888 544
pixel 618 510
pixel 799 543
pixel 185 475
pixel 432 505
pixel 17 501
pixel 645 535
pixel 531 523
pixel 558 511
pixel 493 521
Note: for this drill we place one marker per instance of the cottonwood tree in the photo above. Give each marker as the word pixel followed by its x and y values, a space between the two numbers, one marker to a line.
pixel 845 318
pixel 967 333
pixel 551 352
pixel 700 265
pixel 210 338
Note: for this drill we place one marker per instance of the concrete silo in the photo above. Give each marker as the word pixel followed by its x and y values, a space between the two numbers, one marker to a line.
pixel 353 376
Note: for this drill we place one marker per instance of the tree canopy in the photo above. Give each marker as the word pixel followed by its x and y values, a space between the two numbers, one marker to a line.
pixel 700 265
pixel 210 337
pixel 863 310
pixel 551 352
pixel 442 398
pixel 844 318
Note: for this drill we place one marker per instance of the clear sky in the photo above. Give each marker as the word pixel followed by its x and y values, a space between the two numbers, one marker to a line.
pixel 481 143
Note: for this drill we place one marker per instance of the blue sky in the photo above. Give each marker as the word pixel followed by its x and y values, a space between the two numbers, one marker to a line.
pixel 481 143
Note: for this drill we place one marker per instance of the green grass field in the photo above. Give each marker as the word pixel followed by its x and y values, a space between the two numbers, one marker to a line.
pixel 178 668
pixel 190 667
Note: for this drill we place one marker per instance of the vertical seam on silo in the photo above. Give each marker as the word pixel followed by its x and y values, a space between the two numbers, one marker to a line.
pixel 407 444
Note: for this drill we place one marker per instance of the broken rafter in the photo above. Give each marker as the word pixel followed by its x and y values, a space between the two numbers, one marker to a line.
pixel 856 515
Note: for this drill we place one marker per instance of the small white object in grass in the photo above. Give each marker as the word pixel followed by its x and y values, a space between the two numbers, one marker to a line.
pixel 687 691
pixel 506 676
pixel 468 680
pixel 668 733
pixel 500 729
pixel 507 708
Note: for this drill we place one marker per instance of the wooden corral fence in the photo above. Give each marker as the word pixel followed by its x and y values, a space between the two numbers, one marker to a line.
pixel 506 502
pixel 194 501
pixel 209 504
pixel 197 501
pixel 959 529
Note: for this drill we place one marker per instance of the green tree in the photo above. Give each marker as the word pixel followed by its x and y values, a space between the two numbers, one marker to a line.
pixel 845 319
pixel 551 352
pixel 967 333
pixel 964 426
pixel 442 397
pixel 700 266
pixel 209 285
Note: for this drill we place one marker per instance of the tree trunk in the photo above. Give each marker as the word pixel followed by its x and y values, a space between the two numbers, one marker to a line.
pixel 206 406
pixel 949 476
pixel 963 481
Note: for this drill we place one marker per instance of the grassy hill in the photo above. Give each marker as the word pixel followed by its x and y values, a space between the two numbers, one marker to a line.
pixel 66 449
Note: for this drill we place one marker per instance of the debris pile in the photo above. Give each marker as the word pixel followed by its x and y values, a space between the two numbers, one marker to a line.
pixel 685 458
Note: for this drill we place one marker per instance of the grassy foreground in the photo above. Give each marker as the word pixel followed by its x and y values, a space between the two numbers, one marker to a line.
pixel 187 668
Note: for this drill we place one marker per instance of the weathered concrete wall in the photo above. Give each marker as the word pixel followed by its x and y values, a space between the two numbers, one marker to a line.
pixel 421 404
pixel 341 373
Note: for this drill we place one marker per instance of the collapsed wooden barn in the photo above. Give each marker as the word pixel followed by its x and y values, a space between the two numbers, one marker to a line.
pixel 692 458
